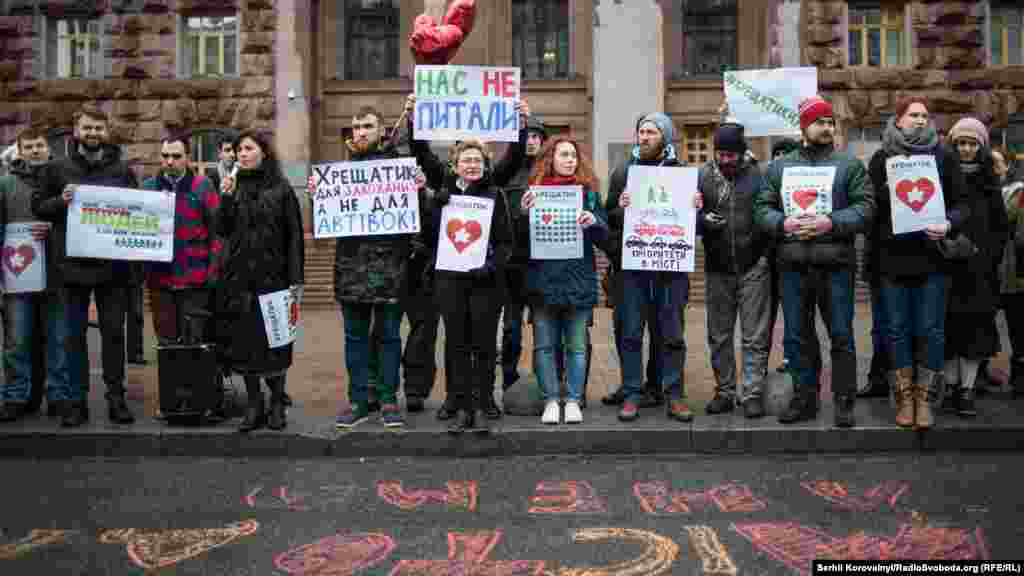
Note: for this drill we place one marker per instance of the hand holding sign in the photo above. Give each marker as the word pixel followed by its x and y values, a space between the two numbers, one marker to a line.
pixel 586 219
pixel 40 230
pixel 624 199
pixel 529 199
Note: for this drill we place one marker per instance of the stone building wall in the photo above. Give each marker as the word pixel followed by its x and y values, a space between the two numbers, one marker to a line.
pixel 140 90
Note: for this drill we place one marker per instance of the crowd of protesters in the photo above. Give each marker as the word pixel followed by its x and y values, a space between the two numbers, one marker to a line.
pixel 238 234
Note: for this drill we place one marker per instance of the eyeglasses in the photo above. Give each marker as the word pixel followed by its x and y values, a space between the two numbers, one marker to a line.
pixel 471 161
pixel 176 156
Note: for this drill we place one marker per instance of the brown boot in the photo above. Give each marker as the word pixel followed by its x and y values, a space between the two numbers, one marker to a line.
pixel 902 384
pixel 922 401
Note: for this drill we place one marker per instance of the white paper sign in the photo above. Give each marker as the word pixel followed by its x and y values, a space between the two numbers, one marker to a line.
pixel 24 259
pixel 121 224
pixel 767 102
pixel 463 102
pixel 915 193
pixel 280 317
pixel 555 233
pixel 465 232
pixel 661 220
pixel 372 198
pixel 807 190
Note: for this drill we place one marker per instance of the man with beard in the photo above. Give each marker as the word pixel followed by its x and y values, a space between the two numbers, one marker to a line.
pixel 34 324
pixel 94 161
pixel 225 161
pixel 816 255
pixel 738 280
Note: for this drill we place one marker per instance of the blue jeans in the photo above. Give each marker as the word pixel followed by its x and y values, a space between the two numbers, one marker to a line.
pixel 802 291
pixel 917 321
pixel 18 338
pixel 550 325
pixel 357 319
pixel 663 294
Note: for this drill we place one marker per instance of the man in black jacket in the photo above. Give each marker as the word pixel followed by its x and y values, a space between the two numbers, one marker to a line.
pixel 91 160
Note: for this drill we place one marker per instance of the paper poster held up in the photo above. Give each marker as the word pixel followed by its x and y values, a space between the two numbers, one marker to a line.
pixel 280 317
pixel 465 233
pixel 555 233
pixel 915 193
pixel 463 102
pixel 24 259
pixel 661 222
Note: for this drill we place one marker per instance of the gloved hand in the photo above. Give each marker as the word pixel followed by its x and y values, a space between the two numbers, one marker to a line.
pixel 442 196
pixel 297 291
pixel 714 221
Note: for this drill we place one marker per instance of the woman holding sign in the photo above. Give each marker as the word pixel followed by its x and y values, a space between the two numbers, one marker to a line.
pixel 909 171
pixel 562 290
pixel 261 224
pixel 470 233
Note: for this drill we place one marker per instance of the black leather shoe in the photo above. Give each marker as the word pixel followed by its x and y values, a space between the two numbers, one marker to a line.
pixel 753 407
pixel 446 411
pixel 652 398
pixel 117 410
pixel 254 419
pixel 462 422
pixel 965 404
pixel 490 408
pixel 615 398
pixel 373 406
pixel 799 410
pixel 72 415
pixel 413 404
pixel 276 416
pixel 11 411
pixel 844 412
pixel 720 404
pixel 480 424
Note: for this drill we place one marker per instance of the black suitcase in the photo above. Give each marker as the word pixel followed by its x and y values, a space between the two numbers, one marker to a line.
pixel 191 380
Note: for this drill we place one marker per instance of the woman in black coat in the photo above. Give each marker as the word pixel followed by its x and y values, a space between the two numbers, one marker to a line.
pixel 971 335
pixel 261 223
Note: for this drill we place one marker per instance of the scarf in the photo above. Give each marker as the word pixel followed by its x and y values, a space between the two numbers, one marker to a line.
pixel 558 181
pixel 723 185
pixel 970 167
pixel 897 142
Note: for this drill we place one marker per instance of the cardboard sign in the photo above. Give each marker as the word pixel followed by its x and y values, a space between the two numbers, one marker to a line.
pixel 372 198
pixel 807 190
pixel 121 224
pixel 555 233
pixel 280 317
pixel 915 193
pixel 766 102
pixel 465 232
pixel 463 102
pixel 24 259
pixel 661 220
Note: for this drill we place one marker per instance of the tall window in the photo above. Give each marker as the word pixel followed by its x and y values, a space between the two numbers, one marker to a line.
pixel 863 142
pixel 73 48
pixel 210 46
pixel 877 35
pixel 1006 26
pixel 697 144
pixel 371 39
pixel 540 37
pixel 709 37
pixel 205 149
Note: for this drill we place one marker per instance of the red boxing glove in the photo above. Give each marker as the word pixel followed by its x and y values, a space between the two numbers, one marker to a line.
pixel 462 13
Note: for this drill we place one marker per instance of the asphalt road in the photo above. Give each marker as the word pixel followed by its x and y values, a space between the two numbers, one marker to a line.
pixel 553 515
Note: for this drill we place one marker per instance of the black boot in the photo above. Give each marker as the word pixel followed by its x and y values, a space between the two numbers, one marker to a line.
pixel 615 398
pixel 463 421
pixel 844 411
pixel 276 419
pixel 878 381
pixel 255 418
pixel 802 407
pixel 117 408
pixel 71 414
pixel 965 403
pixel 12 411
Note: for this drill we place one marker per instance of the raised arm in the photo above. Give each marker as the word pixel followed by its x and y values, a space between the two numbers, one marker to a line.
pixel 433 168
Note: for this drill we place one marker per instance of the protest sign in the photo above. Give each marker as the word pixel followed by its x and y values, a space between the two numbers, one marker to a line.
pixel 121 224
pixel 24 259
pixel 463 102
pixel 465 232
pixel 280 317
pixel 915 193
pixel 661 220
pixel 555 233
pixel 766 102
pixel 378 197
pixel 807 190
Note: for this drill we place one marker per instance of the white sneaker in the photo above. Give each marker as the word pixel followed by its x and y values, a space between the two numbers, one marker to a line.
pixel 573 414
pixel 552 413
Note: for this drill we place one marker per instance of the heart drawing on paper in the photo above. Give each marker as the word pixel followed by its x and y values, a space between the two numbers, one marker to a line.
pixel 547 218
pixel 805 198
pixel 17 260
pixel 463 234
pixel 915 193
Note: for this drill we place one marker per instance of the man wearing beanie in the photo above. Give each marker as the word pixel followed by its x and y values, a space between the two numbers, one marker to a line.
pixel 737 277
pixel 816 255
pixel 645 297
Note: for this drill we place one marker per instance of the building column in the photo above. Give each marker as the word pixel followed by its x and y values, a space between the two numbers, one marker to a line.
pixel 292 95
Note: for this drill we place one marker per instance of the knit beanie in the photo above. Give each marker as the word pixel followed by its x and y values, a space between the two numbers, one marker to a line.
pixel 970 128
pixel 729 138
pixel 813 108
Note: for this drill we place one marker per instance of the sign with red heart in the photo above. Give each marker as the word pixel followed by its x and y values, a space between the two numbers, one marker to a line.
pixel 466 229
pixel 807 190
pixel 915 193
pixel 555 232
pixel 24 259
pixel 547 218
pixel 805 197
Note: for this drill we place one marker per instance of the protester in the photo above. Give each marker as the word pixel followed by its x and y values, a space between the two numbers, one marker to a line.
pixel 563 293
pixel 816 256
pixel 35 324
pixel 225 161
pixel 91 160
pixel 737 278
pixel 974 273
pixel 470 302
pixel 912 269
pixel 1011 271
pixel 645 297
pixel 261 226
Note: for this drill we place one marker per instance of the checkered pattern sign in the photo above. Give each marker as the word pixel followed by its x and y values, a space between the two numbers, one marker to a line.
pixel 555 233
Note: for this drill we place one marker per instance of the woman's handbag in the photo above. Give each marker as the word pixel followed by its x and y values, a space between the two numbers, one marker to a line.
pixel 959 247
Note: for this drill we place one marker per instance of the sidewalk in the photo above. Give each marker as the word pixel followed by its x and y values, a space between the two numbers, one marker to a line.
pixel 318 384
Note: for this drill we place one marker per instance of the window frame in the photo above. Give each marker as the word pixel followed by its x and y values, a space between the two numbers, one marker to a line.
pixel 346 41
pixel 899 21
pixel 991 8
pixel 50 25
pixel 708 138
pixel 862 151
pixel 570 65
pixel 184 37
pixel 688 60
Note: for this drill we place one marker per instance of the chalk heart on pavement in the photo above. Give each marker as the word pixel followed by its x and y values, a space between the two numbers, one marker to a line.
pixel 338 555
pixel 159 549
pixel 463 234
pixel 17 260
pixel 805 198
pixel 915 193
